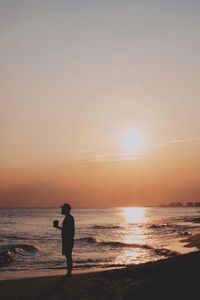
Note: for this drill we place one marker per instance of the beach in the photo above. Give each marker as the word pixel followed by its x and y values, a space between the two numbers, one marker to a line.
pixel 172 278
pixel 104 239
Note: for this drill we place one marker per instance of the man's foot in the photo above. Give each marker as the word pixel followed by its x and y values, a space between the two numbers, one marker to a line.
pixel 68 276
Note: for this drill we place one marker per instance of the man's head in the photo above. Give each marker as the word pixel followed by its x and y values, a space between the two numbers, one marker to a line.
pixel 65 209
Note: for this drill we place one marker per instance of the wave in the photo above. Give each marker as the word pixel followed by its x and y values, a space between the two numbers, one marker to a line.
pixel 22 238
pixel 92 260
pixel 124 245
pixel 23 247
pixel 157 226
pixel 165 252
pixel 112 244
pixel 14 237
pixel 8 253
pixel 118 245
pixel 107 227
pixel 166 228
pixel 87 239
pixel 192 219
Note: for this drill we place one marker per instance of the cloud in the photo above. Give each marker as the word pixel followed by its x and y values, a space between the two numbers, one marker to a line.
pixel 89 157
pixel 178 141
pixel 159 145
pixel 111 157
pixel 185 140
pixel 84 150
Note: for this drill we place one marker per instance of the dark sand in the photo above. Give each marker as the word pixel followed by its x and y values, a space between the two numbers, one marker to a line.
pixel 173 278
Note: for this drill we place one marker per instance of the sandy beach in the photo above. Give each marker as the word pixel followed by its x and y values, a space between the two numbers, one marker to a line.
pixel 173 278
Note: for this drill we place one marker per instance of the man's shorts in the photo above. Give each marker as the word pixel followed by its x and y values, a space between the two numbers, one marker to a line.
pixel 67 247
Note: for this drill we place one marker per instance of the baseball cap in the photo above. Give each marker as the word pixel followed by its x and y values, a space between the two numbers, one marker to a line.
pixel 66 206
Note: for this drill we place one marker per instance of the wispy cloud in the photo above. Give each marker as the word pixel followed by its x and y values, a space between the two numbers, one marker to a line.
pixel 185 140
pixel 159 145
pixel 111 157
pixel 89 155
pixel 178 141
pixel 85 150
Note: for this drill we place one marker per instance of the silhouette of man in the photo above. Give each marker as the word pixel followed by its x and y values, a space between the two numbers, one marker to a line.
pixel 67 233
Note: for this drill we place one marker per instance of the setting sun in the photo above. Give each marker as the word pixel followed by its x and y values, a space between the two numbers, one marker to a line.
pixel 135 142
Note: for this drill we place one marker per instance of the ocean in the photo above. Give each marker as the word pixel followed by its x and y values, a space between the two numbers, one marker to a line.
pixel 104 238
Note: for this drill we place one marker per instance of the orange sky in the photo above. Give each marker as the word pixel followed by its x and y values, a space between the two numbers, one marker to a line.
pixel 161 177
pixel 99 103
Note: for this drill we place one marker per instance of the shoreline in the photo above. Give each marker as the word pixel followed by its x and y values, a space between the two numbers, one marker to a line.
pixel 192 241
pixel 30 275
pixel 170 278
pixel 163 279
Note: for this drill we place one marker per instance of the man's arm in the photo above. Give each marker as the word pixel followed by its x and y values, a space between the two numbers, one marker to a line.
pixel 58 227
pixel 56 224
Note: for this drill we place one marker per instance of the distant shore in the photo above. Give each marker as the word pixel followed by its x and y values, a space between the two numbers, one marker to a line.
pixel 172 278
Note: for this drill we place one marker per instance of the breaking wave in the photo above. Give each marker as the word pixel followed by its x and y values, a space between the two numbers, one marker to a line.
pixel 118 245
pixel 88 240
pixel 9 253
pixel 107 227
pixel 166 228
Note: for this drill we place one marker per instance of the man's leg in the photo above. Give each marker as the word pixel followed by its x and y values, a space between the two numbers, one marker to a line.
pixel 68 255
pixel 69 262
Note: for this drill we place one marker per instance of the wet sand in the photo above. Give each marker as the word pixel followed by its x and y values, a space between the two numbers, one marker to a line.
pixel 173 278
pixel 192 241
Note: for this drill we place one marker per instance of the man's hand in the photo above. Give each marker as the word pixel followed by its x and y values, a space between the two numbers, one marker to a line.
pixel 56 223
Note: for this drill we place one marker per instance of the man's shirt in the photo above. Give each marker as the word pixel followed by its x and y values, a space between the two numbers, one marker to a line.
pixel 68 228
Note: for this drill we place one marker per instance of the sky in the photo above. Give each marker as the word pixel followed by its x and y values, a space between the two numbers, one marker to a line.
pixel 99 102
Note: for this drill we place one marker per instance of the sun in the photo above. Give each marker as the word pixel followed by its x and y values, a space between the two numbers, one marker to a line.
pixel 134 141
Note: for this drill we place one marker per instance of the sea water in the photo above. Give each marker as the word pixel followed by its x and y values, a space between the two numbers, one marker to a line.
pixel 104 238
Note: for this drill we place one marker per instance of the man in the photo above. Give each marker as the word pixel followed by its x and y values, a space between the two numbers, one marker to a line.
pixel 67 233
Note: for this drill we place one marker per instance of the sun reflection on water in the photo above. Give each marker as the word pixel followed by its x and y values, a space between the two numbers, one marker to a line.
pixel 136 237
pixel 134 214
pixel 132 217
